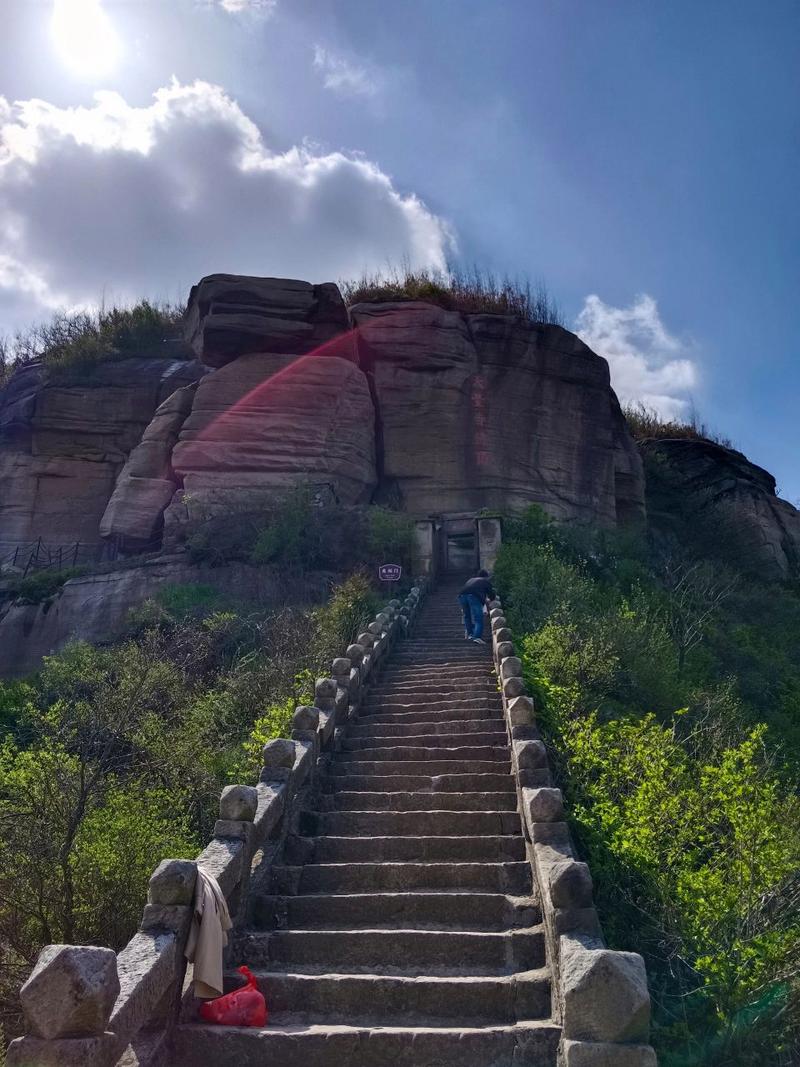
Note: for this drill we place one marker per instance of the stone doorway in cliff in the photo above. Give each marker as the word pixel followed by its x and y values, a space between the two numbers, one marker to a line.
pixel 460 545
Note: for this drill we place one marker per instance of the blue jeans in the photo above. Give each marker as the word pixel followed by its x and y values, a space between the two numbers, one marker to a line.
pixel 472 606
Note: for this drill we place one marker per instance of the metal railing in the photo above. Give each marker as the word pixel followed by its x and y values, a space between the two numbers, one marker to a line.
pixel 29 556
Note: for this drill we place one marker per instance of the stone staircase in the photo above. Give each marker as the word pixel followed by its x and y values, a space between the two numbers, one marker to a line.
pixel 403 927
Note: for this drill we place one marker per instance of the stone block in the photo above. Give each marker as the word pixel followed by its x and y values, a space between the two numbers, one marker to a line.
pixel 531 754
pixel 520 711
pixel 604 1054
pixel 543 805
pixel 172 882
pixel 340 668
pixel 495 612
pixel 499 622
pixel 366 640
pixel 502 634
pixel 238 829
pixel 325 694
pixel 278 758
pixel 604 995
pixel 63 1052
pixel 305 723
pixel 376 628
pixel 174 917
pixel 510 667
pixel 570 883
pixel 513 687
pixel 505 648
pixel 71 991
pixel 238 803
pixel 355 653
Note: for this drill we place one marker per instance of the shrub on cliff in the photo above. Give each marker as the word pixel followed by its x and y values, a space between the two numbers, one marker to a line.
pixel 472 292
pixel 73 343
pixel 680 796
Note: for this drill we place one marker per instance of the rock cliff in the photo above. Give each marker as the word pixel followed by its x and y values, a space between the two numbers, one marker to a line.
pixel 63 444
pixel 430 410
pixel 726 500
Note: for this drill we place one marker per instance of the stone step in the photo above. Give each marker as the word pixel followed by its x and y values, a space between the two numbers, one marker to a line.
pixel 471 655
pixel 344 800
pixel 458 671
pixel 390 911
pixel 510 848
pixel 395 952
pixel 379 1000
pixel 395 701
pixel 343 765
pixel 512 878
pixel 302 1044
pixel 409 693
pixel 419 783
pixel 409 823
pixel 412 753
pixel 426 714
pixel 427 728
pixel 491 737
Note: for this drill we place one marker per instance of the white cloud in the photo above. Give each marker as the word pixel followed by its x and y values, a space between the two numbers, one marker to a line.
pixel 648 363
pixel 342 76
pixel 135 201
pixel 260 7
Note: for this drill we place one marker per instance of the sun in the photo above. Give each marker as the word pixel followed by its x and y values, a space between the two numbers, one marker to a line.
pixel 85 38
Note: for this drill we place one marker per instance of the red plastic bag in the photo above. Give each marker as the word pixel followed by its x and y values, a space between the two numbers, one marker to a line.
pixel 243 1007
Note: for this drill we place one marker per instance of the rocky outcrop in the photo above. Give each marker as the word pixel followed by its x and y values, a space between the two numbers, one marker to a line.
pixel 229 315
pixel 96 607
pixel 265 423
pixel 147 483
pixel 488 411
pixel 433 411
pixel 729 502
pixel 63 443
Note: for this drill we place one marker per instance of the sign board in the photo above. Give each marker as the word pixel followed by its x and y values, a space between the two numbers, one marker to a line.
pixel 390 572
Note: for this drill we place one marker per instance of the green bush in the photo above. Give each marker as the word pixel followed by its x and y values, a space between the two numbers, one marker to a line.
pixel 41 585
pixel 72 344
pixel 681 798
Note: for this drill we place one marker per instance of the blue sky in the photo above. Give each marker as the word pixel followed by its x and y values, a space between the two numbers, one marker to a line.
pixel 644 154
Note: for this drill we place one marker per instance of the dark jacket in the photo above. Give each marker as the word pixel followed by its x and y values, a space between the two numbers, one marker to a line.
pixel 479 587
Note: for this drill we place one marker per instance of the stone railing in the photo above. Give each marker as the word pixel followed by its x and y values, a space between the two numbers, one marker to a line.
pixel 90 1006
pixel 600 996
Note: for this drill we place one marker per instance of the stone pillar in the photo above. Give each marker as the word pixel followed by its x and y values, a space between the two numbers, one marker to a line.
pixel 424 555
pixel 490 536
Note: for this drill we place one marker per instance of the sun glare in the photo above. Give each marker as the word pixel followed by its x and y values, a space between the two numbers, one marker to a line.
pixel 84 37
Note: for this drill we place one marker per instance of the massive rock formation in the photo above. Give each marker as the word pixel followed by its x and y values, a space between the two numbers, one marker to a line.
pixel 230 315
pixel 63 443
pixel 488 411
pixel 728 502
pixel 434 411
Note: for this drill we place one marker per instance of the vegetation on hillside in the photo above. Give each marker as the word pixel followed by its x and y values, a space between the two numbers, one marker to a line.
pixel 73 343
pixel 472 291
pixel 645 422
pixel 668 689
pixel 111 758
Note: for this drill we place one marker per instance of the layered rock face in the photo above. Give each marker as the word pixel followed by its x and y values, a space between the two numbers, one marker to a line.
pixel 433 411
pixel 487 411
pixel 62 445
pixel 728 498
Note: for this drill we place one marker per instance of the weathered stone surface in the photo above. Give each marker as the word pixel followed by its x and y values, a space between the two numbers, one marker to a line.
pixel 520 711
pixel 266 423
pixel 488 411
pixel 62 445
pixel 604 1054
pixel 229 315
pixel 238 803
pixel 95 607
pixel 71 991
pixel 146 484
pixel 172 882
pixel 570 882
pixel 278 753
pixel 604 994
pixel 728 499
pixel 544 804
